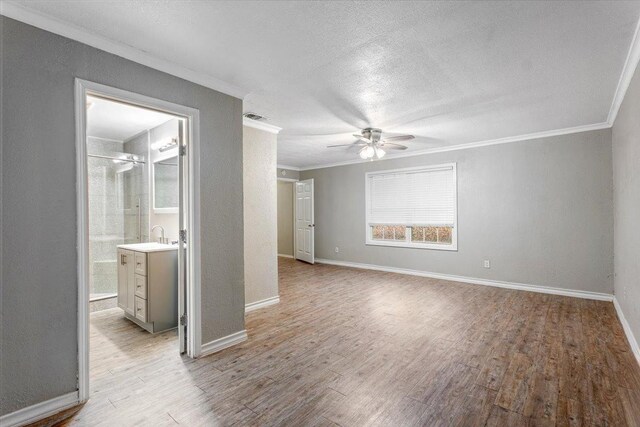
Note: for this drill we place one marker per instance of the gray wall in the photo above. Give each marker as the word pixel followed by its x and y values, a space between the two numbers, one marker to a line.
pixel 39 283
pixel 260 215
pixel 285 218
pixel 540 211
pixel 626 201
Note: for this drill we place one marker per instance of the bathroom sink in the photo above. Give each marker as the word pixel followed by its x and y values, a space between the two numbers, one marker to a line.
pixel 149 247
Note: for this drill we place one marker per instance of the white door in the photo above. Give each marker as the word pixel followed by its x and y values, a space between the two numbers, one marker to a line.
pixel 304 221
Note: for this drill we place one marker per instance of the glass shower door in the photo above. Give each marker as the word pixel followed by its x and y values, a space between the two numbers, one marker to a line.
pixel 118 214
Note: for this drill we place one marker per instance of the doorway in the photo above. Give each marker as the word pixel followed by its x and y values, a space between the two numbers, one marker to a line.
pixel 304 221
pixel 137 189
pixel 286 229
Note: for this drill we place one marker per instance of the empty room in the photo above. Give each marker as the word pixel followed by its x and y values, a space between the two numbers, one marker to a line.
pixel 319 213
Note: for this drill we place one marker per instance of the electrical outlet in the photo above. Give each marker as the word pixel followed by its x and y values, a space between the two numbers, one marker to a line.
pixel 486 264
pixel 337 249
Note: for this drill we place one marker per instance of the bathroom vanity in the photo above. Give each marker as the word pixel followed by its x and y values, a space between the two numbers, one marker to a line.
pixel 148 285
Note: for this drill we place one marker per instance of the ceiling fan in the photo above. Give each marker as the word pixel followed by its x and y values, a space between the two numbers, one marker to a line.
pixel 374 145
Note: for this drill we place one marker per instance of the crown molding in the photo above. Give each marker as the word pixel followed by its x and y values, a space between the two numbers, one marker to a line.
pixel 261 125
pixel 293 168
pixel 630 65
pixel 48 23
pixel 519 138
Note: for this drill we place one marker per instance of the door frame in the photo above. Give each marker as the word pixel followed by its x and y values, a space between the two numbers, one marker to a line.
pixel 293 211
pixel 193 267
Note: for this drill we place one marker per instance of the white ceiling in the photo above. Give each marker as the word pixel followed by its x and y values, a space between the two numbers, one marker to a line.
pixel 117 121
pixel 448 72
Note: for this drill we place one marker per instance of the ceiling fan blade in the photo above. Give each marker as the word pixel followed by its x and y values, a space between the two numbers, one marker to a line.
pixel 367 140
pixel 399 138
pixel 395 146
pixel 347 145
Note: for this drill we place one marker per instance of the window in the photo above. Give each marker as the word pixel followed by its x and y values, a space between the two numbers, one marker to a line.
pixel 414 207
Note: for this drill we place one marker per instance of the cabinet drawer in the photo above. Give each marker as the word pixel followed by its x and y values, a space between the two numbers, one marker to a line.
pixel 141 309
pixel 141 286
pixel 141 263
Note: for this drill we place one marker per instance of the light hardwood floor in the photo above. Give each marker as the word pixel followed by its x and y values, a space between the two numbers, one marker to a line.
pixel 354 347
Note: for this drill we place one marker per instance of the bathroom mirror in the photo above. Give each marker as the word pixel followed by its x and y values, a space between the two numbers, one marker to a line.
pixel 165 185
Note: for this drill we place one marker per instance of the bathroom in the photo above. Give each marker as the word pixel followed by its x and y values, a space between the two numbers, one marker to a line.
pixel 133 211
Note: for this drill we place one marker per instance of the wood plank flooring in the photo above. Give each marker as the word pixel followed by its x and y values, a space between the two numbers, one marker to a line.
pixel 354 347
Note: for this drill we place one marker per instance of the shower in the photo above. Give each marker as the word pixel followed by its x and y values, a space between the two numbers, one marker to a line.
pixel 117 182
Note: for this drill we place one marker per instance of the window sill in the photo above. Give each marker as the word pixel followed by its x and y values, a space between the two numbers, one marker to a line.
pixel 437 247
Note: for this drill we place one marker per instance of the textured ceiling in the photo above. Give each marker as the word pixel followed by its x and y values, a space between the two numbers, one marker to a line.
pixel 447 72
pixel 114 120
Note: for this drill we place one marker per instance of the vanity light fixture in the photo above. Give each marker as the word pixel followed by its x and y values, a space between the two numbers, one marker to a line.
pixel 165 144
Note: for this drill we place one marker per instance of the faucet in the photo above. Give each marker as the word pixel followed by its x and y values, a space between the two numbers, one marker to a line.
pixel 162 238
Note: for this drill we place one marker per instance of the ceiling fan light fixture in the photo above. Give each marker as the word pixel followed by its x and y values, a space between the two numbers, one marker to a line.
pixel 373 146
pixel 367 152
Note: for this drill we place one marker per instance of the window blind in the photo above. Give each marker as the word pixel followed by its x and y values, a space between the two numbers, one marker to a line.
pixel 413 197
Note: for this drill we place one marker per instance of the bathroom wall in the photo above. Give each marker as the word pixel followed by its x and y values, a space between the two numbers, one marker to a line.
pixel 39 344
pixel 260 215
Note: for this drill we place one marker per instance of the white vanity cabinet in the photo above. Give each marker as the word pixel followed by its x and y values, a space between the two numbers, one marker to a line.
pixel 148 285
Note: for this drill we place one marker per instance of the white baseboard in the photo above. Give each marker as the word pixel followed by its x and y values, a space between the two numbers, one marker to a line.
pixel 285 256
pixel 627 330
pixel 40 411
pixel 485 282
pixel 261 304
pixel 222 343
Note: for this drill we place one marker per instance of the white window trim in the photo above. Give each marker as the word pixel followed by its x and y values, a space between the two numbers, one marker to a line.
pixel 369 241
